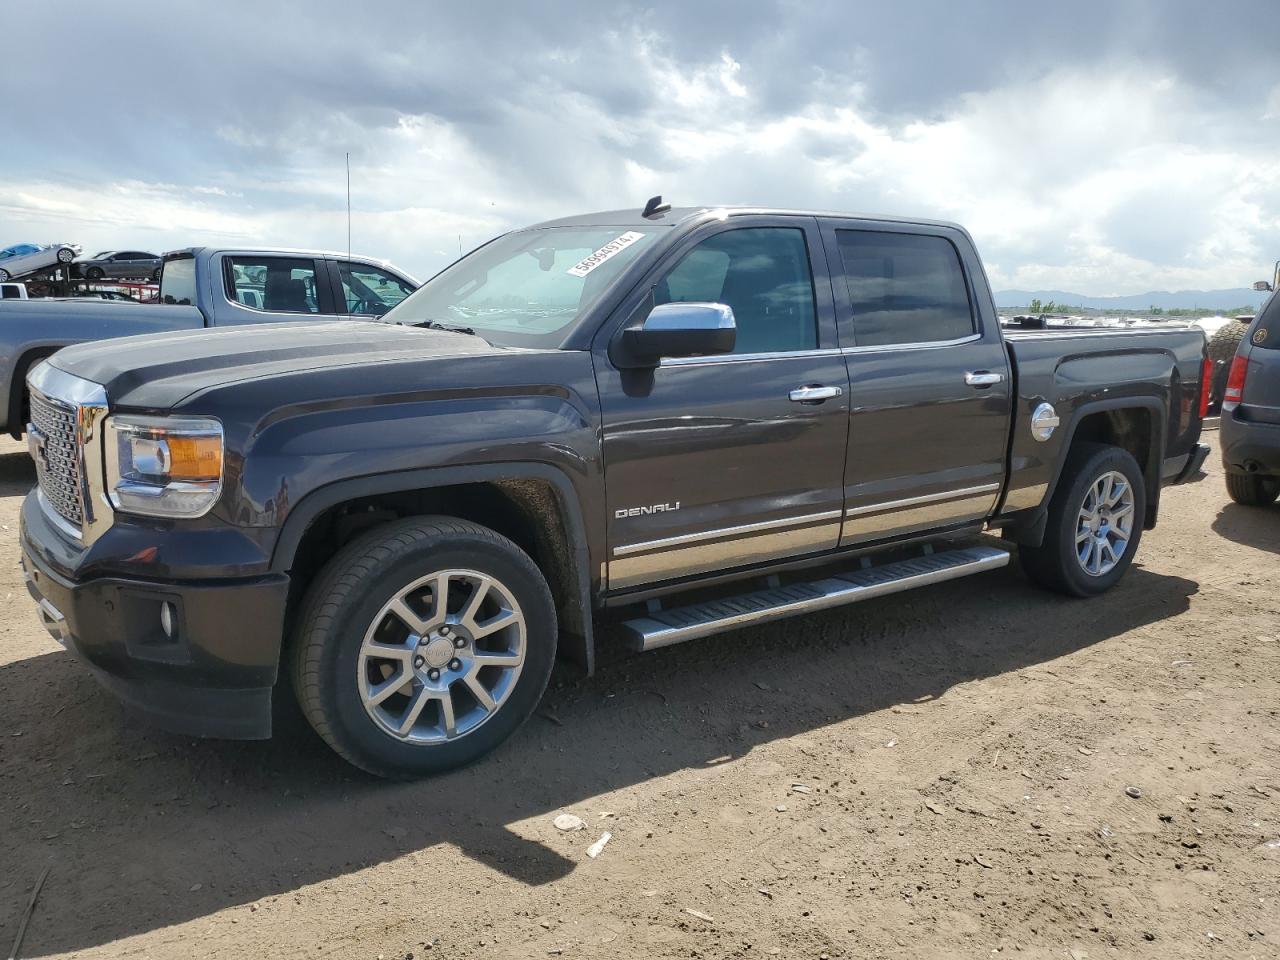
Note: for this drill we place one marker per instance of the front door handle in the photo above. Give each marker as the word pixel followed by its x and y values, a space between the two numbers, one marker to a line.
pixel 814 393
pixel 983 378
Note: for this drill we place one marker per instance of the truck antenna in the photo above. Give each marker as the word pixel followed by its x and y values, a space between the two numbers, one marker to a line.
pixel 348 205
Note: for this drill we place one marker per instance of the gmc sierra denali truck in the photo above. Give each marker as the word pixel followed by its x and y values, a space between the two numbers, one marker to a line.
pixel 688 419
pixel 199 287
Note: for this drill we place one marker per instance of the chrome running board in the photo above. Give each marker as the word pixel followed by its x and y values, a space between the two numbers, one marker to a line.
pixel 665 627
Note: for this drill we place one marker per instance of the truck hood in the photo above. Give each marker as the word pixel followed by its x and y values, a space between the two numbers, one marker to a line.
pixel 156 371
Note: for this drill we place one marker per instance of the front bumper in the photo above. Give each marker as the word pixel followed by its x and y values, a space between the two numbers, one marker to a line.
pixel 210 676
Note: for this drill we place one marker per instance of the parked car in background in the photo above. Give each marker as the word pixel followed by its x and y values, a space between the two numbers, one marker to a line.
pixel 686 420
pixel 1250 426
pixel 23 258
pixel 199 287
pixel 121 265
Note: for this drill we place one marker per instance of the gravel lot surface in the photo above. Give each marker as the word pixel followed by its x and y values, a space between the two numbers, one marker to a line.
pixel 944 773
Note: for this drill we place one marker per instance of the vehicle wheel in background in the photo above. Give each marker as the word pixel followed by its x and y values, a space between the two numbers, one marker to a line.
pixel 1095 523
pixel 4 275
pixel 94 273
pixel 1252 490
pixel 66 255
pixel 422 645
pixel 1222 347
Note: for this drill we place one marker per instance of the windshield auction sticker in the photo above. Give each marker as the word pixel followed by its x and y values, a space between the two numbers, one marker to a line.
pixel 610 249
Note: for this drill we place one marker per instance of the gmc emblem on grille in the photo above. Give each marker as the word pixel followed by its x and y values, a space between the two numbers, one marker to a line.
pixel 35 444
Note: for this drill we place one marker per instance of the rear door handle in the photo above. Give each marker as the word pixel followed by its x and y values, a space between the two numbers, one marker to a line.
pixel 983 378
pixel 814 393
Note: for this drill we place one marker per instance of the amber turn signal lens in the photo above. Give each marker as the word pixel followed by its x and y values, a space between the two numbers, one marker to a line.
pixel 195 458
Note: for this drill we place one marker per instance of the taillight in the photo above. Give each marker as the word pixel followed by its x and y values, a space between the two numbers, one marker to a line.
pixel 1235 380
pixel 1206 381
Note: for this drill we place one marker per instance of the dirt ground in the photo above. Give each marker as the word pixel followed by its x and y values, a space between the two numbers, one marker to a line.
pixel 937 774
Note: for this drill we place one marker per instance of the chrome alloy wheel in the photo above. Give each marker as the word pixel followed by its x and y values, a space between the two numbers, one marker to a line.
pixel 1105 524
pixel 442 656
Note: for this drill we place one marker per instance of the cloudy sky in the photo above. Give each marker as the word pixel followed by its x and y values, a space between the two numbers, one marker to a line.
pixel 1103 148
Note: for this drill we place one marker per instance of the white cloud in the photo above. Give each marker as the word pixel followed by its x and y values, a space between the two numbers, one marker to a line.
pixel 1116 174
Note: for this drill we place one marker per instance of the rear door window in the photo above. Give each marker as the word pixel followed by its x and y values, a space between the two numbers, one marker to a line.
pixel 903 288
pixel 274 284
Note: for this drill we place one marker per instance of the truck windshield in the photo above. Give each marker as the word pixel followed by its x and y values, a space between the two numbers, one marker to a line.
pixel 526 288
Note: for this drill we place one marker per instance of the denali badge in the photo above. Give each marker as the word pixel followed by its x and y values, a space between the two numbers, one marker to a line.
pixel 642 511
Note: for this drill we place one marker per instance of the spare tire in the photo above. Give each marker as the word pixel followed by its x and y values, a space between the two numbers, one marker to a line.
pixel 1223 345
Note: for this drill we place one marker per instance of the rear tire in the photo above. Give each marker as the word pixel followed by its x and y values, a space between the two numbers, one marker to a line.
pixel 4 276
pixel 1251 490
pixel 94 273
pixel 1223 345
pixel 402 685
pixel 1090 541
pixel 66 255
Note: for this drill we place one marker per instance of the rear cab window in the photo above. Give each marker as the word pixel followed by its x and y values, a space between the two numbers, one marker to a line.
pixel 903 288
pixel 178 280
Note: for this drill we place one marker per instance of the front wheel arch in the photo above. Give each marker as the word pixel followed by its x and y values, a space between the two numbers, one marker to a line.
pixel 559 546
pixel 17 409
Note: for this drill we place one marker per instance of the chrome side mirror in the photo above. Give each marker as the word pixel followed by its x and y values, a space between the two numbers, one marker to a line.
pixel 679 330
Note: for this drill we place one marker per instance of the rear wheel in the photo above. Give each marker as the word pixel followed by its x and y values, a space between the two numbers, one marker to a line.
pixel 423 645
pixel 66 255
pixel 94 273
pixel 4 275
pixel 1223 345
pixel 1095 523
pixel 1252 490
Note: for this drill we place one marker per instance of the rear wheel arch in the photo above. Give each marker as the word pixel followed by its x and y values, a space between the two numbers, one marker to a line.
pixel 533 505
pixel 1135 424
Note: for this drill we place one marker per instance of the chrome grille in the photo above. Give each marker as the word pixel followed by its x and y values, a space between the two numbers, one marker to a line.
pixel 57 456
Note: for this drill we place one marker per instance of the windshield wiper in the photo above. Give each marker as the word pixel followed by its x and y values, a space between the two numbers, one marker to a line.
pixel 436 325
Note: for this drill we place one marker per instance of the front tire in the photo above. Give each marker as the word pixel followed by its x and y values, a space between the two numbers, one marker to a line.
pixel 94 273
pixel 1095 523
pixel 4 276
pixel 66 255
pixel 1251 490
pixel 423 645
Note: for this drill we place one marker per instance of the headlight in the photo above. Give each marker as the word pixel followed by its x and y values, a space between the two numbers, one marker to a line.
pixel 164 466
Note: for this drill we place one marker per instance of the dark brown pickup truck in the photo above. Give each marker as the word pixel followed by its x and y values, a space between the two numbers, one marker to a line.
pixel 689 420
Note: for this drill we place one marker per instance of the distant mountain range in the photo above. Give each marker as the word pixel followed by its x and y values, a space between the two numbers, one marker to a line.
pixel 1181 300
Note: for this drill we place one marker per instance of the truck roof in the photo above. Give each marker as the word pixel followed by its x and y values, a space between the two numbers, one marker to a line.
pixel 292 251
pixel 678 215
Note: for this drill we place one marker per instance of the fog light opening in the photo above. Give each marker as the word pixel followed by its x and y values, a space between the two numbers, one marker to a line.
pixel 169 620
